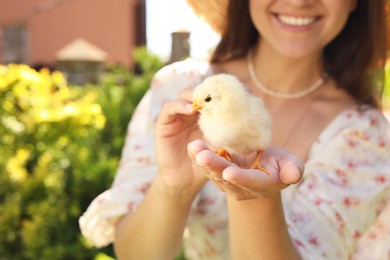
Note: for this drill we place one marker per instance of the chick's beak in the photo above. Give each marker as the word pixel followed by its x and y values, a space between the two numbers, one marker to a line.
pixel 196 106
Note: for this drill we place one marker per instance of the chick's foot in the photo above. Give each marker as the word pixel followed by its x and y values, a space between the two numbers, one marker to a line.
pixel 256 163
pixel 223 153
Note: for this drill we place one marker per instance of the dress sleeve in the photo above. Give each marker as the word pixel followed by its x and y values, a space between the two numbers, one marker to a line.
pixel 340 210
pixel 137 166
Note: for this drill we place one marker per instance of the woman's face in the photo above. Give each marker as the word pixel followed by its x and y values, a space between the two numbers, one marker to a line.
pixel 297 28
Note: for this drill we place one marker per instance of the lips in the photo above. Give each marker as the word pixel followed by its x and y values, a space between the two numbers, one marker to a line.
pixel 296 21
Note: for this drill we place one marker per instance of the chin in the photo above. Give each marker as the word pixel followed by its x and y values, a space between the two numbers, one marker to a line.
pixel 299 52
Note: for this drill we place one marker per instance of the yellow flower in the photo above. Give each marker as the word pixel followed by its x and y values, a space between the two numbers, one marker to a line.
pixel 16 165
pixel 58 78
pixel 100 121
pixel 3 75
pixel 8 105
pixel 53 180
pixel 28 73
pixel 95 109
pixel 13 124
pixel 41 115
pixel 45 97
pixel 70 110
pixel 62 141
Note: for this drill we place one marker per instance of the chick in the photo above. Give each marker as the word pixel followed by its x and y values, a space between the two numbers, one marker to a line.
pixel 231 118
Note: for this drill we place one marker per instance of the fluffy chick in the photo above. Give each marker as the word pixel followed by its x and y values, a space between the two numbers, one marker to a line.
pixel 231 118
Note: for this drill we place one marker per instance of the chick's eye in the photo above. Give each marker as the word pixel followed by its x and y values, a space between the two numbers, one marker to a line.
pixel 208 99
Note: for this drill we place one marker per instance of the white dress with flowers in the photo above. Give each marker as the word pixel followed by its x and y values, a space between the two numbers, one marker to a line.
pixel 340 209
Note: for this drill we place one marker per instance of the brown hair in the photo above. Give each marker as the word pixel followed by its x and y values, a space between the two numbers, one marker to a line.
pixel 355 58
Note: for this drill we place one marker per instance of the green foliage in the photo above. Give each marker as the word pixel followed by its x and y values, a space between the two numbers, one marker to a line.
pixel 60 148
pixel 102 256
pixel 386 93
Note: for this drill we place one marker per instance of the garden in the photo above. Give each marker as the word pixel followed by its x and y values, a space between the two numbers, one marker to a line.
pixel 60 146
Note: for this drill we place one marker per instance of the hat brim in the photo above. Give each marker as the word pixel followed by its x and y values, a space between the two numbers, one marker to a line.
pixel 214 12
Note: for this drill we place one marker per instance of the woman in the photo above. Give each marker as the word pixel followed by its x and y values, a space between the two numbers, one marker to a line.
pixel 312 62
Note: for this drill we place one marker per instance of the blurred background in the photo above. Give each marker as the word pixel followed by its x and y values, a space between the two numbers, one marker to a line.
pixel 71 75
pixel 44 32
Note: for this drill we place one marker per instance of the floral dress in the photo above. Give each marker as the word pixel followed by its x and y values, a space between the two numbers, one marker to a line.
pixel 340 209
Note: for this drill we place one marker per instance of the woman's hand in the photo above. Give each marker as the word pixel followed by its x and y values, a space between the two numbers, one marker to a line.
pixel 176 126
pixel 241 183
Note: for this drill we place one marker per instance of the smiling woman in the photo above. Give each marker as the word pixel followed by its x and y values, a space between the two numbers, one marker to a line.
pixel 328 156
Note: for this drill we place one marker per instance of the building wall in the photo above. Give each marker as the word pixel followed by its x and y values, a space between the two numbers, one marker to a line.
pixel 52 24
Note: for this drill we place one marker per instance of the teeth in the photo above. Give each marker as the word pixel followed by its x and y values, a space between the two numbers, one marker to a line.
pixel 296 21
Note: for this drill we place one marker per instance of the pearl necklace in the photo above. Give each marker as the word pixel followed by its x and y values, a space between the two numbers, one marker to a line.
pixel 277 94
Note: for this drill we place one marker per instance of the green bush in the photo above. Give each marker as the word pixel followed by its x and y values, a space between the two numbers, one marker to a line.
pixel 60 148
pixel 386 96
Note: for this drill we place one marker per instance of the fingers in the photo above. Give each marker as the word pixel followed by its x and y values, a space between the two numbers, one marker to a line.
pixel 244 177
pixel 242 183
pixel 289 166
pixel 255 182
pixel 211 161
pixel 213 167
pixel 171 109
pixel 212 164
pixel 181 106
pixel 194 147
pixel 291 169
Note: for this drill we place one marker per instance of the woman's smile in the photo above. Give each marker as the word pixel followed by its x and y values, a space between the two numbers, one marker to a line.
pixel 296 21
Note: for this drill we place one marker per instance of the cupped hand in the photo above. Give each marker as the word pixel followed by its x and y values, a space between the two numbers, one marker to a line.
pixel 176 126
pixel 242 183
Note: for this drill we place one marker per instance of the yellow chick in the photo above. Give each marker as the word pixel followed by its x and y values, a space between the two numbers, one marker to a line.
pixel 231 118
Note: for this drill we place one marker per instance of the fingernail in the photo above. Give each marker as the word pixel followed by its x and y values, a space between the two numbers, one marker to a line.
pixel 226 176
pixel 188 106
pixel 190 146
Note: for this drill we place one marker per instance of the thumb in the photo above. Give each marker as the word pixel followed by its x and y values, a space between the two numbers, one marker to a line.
pixel 195 147
pixel 291 169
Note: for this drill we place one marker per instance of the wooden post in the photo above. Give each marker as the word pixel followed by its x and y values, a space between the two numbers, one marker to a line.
pixel 180 45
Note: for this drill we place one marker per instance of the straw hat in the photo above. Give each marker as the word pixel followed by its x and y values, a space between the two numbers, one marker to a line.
pixel 214 12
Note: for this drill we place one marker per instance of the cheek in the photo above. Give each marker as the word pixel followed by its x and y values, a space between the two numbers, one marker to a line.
pixel 339 14
pixel 257 10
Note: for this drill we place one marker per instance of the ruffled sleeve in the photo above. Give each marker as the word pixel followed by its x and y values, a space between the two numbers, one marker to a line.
pixel 137 165
pixel 341 209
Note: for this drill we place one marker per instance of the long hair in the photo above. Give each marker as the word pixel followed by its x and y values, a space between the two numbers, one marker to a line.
pixel 355 58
